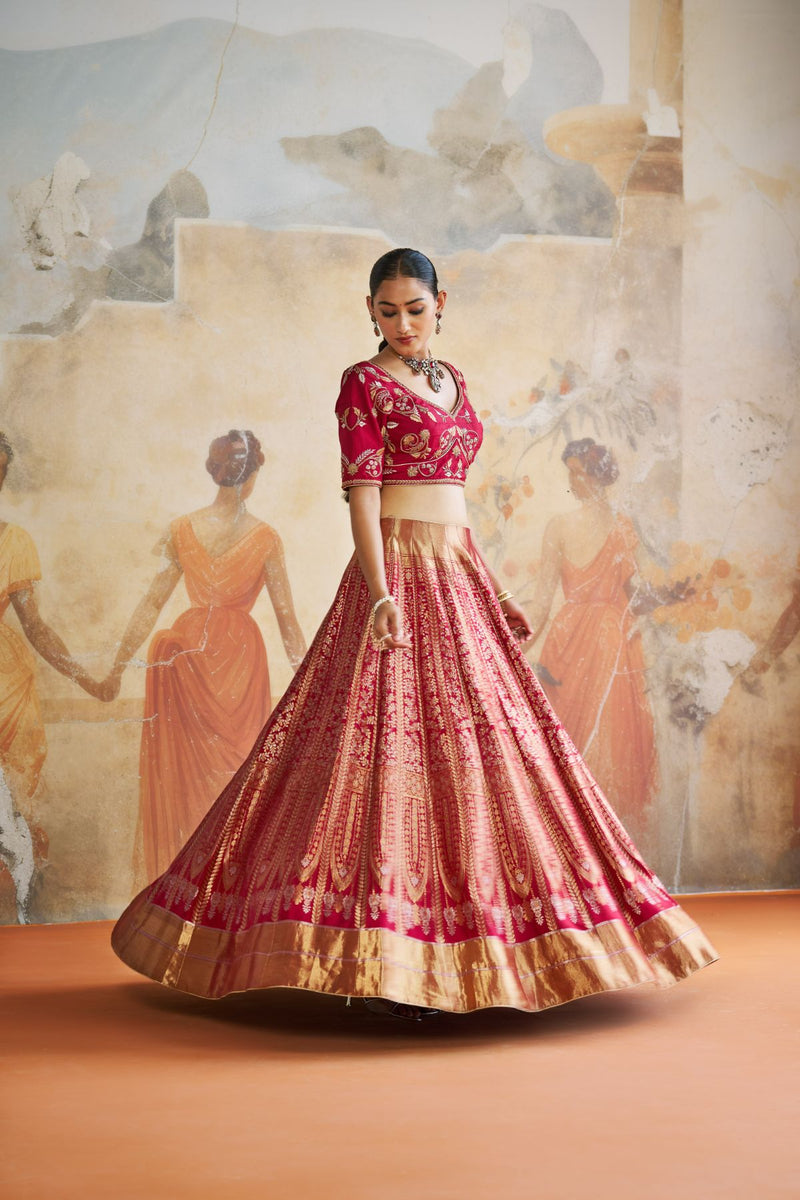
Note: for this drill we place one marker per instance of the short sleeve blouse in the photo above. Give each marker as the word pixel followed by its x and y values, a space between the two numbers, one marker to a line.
pixel 389 434
pixel 19 562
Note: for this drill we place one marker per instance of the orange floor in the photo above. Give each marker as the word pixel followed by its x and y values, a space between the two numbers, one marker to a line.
pixel 113 1087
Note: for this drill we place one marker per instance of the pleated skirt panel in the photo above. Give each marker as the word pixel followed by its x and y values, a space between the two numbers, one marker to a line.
pixel 413 824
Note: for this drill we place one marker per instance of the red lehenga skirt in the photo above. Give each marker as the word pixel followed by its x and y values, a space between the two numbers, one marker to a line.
pixel 413 824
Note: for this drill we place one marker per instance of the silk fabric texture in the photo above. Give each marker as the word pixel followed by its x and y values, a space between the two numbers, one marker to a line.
pixel 390 434
pixel 413 824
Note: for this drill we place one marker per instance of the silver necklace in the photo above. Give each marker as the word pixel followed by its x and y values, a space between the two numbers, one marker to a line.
pixel 428 367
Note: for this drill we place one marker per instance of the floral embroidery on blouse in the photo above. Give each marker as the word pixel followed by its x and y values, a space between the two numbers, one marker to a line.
pixel 389 434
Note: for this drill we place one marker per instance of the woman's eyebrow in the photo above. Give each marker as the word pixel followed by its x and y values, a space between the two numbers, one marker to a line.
pixel 388 303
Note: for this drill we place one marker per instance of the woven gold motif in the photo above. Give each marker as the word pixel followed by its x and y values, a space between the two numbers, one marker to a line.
pixel 414 824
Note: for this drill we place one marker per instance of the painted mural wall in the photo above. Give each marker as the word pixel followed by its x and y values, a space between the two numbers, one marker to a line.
pixel 189 214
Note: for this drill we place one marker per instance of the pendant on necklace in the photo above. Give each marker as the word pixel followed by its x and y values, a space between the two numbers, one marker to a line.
pixel 428 367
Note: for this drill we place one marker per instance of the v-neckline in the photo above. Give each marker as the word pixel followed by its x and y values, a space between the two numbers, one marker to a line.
pixel 214 558
pixel 595 557
pixel 444 411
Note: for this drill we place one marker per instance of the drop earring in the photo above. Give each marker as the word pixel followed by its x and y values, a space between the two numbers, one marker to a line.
pixel 438 322
pixel 375 328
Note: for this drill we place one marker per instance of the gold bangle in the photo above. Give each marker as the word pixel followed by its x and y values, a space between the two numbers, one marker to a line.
pixel 503 596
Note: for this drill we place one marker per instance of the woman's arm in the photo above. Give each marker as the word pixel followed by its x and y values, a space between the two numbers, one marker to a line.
pixel 280 593
pixel 365 522
pixel 143 620
pixel 514 613
pixel 46 642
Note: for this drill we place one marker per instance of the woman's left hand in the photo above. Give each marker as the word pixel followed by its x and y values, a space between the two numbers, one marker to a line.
pixel 518 622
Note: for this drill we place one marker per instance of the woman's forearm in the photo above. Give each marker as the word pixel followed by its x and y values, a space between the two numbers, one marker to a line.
pixel 365 522
pixel 146 614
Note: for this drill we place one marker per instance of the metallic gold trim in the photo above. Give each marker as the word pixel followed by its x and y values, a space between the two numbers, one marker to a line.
pixel 172 971
pixel 459 977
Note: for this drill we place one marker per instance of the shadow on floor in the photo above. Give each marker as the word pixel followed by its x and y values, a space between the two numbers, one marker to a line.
pixel 133 1018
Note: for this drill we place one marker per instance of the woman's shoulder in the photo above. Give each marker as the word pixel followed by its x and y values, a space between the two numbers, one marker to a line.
pixel 361 371
pixel 18 544
pixel 459 374
pixel 16 536
pixel 19 560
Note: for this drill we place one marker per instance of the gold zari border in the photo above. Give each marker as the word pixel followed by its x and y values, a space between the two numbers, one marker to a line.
pixel 457 977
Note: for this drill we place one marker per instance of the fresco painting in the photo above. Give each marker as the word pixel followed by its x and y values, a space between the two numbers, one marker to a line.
pixel 207 691
pixel 23 745
pixel 634 489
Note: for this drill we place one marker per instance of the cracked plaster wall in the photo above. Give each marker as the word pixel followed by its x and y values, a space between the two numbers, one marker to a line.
pixel 668 340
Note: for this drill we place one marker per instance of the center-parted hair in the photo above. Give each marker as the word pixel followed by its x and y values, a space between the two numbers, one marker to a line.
pixel 404 263
pixel 233 458
pixel 597 461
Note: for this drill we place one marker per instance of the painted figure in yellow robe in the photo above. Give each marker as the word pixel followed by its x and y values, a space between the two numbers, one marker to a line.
pixel 22 740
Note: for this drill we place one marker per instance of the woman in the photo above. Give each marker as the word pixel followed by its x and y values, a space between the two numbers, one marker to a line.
pixel 207 689
pixel 592 661
pixel 413 824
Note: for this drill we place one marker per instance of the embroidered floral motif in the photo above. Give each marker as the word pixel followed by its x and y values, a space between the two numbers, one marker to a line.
pixel 518 913
pixel 352 418
pixel 415 444
pixel 367 464
pixel 388 433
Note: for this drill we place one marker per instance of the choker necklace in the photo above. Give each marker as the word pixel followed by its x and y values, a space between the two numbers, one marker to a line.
pixel 428 367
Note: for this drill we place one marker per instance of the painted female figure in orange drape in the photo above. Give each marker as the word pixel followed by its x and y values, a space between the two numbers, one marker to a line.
pixel 591 664
pixel 207 689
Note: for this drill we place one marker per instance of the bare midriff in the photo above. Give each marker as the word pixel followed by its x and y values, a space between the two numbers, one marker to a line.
pixel 440 502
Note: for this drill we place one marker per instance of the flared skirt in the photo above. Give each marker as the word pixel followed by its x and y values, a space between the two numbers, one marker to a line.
pixel 414 824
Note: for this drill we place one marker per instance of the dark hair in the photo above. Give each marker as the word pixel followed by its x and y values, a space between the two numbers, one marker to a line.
pixel 233 458
pixel 597 461
pixel 404 264
pixel 6 448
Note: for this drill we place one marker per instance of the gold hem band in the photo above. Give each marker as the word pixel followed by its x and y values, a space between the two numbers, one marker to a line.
pixel 550 969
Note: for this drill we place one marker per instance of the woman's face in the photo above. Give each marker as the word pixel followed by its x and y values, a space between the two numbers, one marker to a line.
pixel 406 314
pixel 580 484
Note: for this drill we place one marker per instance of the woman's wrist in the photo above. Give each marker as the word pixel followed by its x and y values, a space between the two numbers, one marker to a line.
pixel 384 598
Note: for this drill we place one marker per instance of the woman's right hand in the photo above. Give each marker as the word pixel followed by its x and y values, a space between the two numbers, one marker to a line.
pixel 387 628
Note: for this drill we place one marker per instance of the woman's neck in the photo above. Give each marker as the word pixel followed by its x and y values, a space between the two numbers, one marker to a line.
pixel 228 503
pixel 596 502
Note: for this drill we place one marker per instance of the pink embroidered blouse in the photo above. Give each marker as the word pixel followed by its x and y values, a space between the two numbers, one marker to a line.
pixel 389 434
